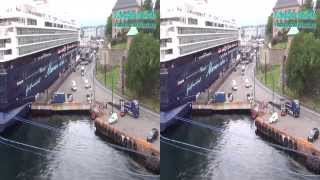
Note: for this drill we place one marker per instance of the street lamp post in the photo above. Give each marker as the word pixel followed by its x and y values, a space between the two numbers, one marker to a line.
pixel 283 71
pixel 112 92
pixel 265 67
pixel 105 70
pixel 93 77
pixel 272 93
pixel 254 76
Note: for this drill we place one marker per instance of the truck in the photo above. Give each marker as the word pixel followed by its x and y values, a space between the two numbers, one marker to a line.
pixel 243 68
pixel 58 97
pixel 131 107
pixel 292 107
pixel 219 97
pixel 82 70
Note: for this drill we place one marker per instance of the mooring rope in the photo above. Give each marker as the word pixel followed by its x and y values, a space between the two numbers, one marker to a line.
pixel 217 129
pixel 14 144
pixel 23 120
pixel 209 150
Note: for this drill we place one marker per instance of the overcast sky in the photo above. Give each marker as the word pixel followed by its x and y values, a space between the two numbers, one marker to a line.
pixel 95 12
pixel 246 12
pixel 86 12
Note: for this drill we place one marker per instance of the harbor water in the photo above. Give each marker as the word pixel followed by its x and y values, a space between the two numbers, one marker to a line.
pixel 74 152
pixel 236 152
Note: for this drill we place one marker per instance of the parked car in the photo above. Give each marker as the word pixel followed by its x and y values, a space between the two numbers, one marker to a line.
pixel 153 135
pixel 113 118
pixel 314 134
pixel 74 88
pixel 249 97
pixel 230 97
pixel 73 85
pixel 243 69
pixel 234 85
pixel 274 118
pixel 247 83
pixel 88 96
pixel 87 85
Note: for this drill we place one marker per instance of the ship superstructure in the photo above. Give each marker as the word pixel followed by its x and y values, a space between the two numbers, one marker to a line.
pixel 195 48
pixel 35 49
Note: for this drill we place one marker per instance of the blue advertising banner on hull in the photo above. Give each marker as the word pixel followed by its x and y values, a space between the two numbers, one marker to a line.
pixel 183 78
pixel 21 79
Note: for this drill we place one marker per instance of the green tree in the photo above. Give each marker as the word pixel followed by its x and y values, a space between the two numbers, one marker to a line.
pixel 147 5
pixel 157 5
pixel 269 29
pixel 317 30
pixel 303 64
pixel 108 29
pixel 143 67
pixel 157 30
pixel 317 7
pixel 308 4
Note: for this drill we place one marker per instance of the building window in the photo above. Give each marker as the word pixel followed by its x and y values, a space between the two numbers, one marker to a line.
pixel 192 21
pixel 168 51
pixel 8 52
pixel 31 21
pixel 48 24
pixel 208 23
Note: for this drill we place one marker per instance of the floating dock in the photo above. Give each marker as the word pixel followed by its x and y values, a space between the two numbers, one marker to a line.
pixel 205 109
pixel 45 108
pixel 73 106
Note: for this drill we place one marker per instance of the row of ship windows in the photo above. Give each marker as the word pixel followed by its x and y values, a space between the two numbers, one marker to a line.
pixel 163 42
pixel 3 42
pixel 194 21
pixel 50 24
pixel 31 21
pixel 209 23
pixel 3 88
pixel 195 47
pixel 37 47
pixel 190 30
pixel 36 39
pixel 23 31
pixel 193 39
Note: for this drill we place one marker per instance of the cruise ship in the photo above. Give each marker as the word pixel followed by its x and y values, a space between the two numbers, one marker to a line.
pixel 195 47
pixel 36 47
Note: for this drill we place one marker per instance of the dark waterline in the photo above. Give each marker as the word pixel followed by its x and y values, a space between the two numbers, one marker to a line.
pixel 238 153
pixel 77 153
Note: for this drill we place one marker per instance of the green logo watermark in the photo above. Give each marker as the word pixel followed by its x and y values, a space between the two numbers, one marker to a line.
pixel 302 15
pixel 300 19
pixel 140 19
pixel 134 15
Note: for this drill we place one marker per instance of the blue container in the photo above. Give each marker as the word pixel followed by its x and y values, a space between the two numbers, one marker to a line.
pixel 219 97
pixel 58 97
